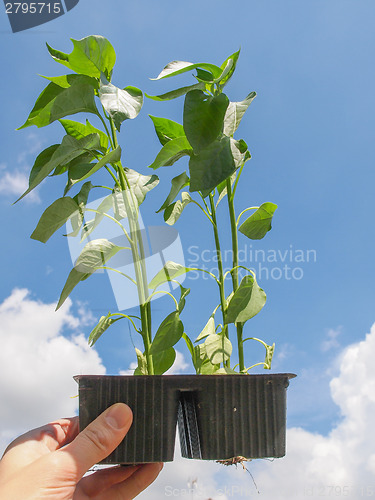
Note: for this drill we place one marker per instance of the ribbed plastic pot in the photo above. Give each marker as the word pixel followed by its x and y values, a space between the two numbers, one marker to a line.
pixel 219 416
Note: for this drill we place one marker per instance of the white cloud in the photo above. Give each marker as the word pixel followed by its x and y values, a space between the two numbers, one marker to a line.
pixel 340 464
pixel 37 363
pixel 15 183
pixel 331 341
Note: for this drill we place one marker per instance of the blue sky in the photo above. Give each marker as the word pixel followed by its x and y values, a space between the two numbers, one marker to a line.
pixel 311 135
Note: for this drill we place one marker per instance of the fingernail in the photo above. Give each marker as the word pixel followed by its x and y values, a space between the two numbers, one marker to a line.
pixel 118 416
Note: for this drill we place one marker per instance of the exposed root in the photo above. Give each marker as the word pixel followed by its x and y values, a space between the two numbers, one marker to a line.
pixel 234 461
pixel 239 460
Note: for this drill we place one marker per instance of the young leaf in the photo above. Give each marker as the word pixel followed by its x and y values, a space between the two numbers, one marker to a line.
pixel 172 151
pixel 79 130
pixel 55 102
pixel 91 56
pixel 173 212
pixel 184 293
pixel 95 254
pixel 177 67
pixel 168 334
pixel 218 348
pixel 142 363
pixel 81 199
pixel 228 67
pixel 170 271
pixel 167 130
pixel 235 112
pixel 203 118
pixel 163 360
pixel 120 104
pixel 202 364
pixel 104 323
pixel 212 166
pixel 259 223
pixel 247 301
pixel 141 184
pixel 178 183
pixel 54 217
pixel 103 208
pixel 209 329
pixel 173 94
pixel 270 349
pixel 225 371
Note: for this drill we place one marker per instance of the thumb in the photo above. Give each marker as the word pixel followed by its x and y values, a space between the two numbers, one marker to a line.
pixel 99 438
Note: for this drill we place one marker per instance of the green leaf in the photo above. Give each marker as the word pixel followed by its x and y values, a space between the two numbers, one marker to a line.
pixel 142 363
pixel 247 301
pixel 167 130
pixel 54 217
pixel 55 102
pixel 228 67
pixel 189 344
pixel 73 279
pixel 120 104
pixel 209 329
pixel 177 67
pixel 141 184
pixel 202 364
pixel 95 254
pixel 173 212
pixel 203 118
pixel 77 173
pixel 172 151
pixel 235 112
pixel 173 94
pixel 218 348
pixel 81 199
pixel 163 360
pixel 259 223
pixel 104 323
pixel 178 183
pixel 79 130
pixel 169 333
pixel 184 293
pixel 212 166
pixel 91 56
pixel 170 271
pixel 69 149
pixel 82 196
pixel 65 81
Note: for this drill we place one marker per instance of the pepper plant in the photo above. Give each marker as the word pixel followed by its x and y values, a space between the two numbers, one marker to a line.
pixel 85 150
pixel 216 162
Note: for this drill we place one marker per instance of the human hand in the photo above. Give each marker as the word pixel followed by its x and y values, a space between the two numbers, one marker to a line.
pixel 50 462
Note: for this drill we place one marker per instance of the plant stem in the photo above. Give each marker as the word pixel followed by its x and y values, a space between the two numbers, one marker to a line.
pixel 220 269
pixel 233 225
pixel 138 258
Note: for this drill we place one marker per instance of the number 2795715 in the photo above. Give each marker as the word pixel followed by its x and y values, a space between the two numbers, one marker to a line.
pixel 33 7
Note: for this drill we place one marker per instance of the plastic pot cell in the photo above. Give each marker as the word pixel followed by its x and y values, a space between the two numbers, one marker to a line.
pixel 218 416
